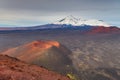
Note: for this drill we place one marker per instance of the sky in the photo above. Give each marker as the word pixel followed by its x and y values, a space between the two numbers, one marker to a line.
pixel 38 12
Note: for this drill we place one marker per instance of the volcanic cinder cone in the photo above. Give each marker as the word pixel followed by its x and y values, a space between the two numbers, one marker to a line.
pixel 50 54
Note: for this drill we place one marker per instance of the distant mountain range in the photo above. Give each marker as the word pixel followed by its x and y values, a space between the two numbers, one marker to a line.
pixel 70 23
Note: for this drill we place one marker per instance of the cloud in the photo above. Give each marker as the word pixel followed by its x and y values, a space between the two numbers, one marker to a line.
pixel 27 12
pixel 57 5
pixel 26 19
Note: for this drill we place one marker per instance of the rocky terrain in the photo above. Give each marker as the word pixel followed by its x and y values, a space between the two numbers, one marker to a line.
pixel 14 69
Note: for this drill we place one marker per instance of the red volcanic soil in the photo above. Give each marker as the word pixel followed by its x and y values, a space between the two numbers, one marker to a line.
pixel 4 28
pixel 43 44
pixel 102 29
pixel 14 69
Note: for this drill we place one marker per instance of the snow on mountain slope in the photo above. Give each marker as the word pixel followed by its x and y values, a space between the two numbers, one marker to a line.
pixel 70 20
pixel 94 22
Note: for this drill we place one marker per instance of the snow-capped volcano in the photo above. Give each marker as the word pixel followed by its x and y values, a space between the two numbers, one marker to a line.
pixel 70 20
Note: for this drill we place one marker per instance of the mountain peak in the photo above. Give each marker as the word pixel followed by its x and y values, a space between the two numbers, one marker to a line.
pixel 68 20
pixel 71 20
pixel 70 17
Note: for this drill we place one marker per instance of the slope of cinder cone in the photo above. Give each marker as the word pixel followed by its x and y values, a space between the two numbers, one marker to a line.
pixel 50 54
pixel 14 69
